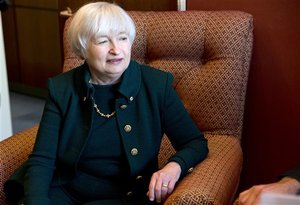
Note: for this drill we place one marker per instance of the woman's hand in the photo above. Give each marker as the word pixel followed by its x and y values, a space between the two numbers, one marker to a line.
pixel 162 182
pixel 285 186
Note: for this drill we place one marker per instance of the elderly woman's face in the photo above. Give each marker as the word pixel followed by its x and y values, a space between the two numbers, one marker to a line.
pixel 109 56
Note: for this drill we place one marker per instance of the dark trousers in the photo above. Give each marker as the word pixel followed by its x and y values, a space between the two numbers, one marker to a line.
pixel 59 196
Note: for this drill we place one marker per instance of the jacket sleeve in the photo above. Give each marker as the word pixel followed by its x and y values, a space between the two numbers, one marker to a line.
pixel 187 139
pixel 41 163
pixel 293 173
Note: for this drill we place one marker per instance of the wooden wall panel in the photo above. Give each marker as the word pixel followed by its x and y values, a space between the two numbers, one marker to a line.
pixel 11 45
pixel 39 45
pixel 75 5
pixel 140 5
pixel 149 5
pixel 44 4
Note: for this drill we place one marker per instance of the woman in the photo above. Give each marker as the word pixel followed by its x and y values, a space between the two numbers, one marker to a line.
pixel 103 123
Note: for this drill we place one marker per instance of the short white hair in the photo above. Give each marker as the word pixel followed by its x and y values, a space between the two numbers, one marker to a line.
pixel 95 19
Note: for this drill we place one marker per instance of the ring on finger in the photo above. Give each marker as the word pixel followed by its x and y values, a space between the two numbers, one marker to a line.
pixel 164 185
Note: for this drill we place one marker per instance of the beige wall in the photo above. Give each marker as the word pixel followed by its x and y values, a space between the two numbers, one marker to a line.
pixel 271 138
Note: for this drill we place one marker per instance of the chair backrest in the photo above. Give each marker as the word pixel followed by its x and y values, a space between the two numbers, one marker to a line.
pixel 208 53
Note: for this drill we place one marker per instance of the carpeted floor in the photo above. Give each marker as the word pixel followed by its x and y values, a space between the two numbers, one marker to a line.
pixel 26 111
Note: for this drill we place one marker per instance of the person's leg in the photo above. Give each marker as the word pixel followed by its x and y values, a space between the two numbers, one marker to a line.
pixel 59 196
pixel 105 202
pixel 140 200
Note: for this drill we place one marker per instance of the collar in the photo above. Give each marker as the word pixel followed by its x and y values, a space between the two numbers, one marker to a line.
pixel 129 87
pixel 131 81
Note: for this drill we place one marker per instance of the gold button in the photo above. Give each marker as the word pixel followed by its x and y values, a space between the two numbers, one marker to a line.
pixel 134 151
pixel 131 98
pixel 123 107
pixel 190 170
pixel 127 128
pixel 139 177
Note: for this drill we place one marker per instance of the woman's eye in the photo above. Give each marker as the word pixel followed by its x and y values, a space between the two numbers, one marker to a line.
pixel 124 38
pixel 102 41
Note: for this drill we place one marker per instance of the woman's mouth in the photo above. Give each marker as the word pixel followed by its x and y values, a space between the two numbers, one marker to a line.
pixel 115 60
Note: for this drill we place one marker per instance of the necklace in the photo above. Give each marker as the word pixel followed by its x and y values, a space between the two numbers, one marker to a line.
pixel 102 114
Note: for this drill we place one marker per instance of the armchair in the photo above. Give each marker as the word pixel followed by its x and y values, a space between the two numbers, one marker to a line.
pixel 209 54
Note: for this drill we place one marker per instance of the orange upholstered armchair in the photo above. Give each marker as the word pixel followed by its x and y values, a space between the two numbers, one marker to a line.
pixel 209 54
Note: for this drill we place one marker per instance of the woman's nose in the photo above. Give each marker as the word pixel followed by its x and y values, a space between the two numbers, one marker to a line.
pixel 115 48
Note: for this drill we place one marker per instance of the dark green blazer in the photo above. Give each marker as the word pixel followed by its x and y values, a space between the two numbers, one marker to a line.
pixel 148 108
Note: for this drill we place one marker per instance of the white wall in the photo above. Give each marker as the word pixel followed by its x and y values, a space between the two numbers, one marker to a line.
pixel 5 114
pixel 181 5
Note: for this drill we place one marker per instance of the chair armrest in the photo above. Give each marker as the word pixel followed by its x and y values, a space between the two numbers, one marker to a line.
pixel 13 152
pixel 215 180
